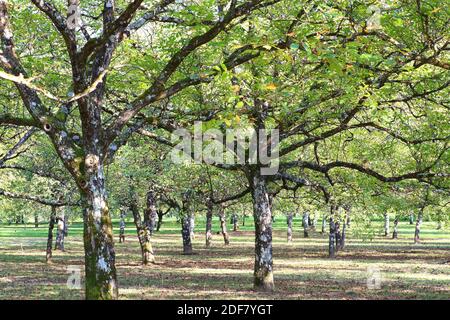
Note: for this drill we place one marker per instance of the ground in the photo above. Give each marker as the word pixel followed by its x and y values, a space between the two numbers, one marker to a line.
pixel 302 269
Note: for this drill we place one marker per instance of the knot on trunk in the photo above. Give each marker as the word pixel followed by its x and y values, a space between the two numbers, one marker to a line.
pixel 91 162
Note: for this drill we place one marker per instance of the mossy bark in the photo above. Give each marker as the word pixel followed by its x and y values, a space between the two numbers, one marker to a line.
pixel 143 234
pixel 51 225
pixel 263 270
pixel 101 279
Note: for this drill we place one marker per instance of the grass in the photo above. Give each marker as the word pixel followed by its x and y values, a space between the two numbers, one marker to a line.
pixel 302 269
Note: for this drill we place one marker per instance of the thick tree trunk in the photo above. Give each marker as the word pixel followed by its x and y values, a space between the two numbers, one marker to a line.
pixel 186 234
pixel 101 279
pixel 305 222
pixel 209 215
pixel 143 233
pixel 150 214
pixel 51 225
pixel 395 233
pixel 418 225
pixel 386 224
pixel 263 271
pixel 223 226
pixel 289 227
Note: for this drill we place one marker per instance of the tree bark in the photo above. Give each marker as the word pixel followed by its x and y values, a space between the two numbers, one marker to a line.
pixel 324 223
pixel 305 222
pixel 263 271
pixel 235 221
pixel 332 236
pixel 59 243
pixel 338 235
pixel 314 222
pixel 122 227
pixel 150 214
pixel 100 268
pixel 209 215
pixel 343 235
pixel 223 226
pixel 51 225
pixel 186 234
pixel 160 219
pixel 386 224
pixel 395 233
pixel 289 228
pixel 143 233
pixel 418 225
pixel 36 221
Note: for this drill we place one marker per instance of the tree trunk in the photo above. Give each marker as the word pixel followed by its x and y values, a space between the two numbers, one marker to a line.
pixel 223 226
pixel 289 227
pixel 160 219
pixel 66 225
pixel 235 221
pixel 186 234
pixel 150 213
pixel 324 223
pixel 59 243
pixel 209 215
pixel 100 268
pixel 51 225
pixel 305 222
pixel 395 233
pixel 417 231
pixel 338 235
pixel 143 233
pixel 122 227
pixel 439 226
pixel 332 236
pixel 342 242
pixel 386 224
pixel 263 271
pixel 36 221
pixel 314 223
